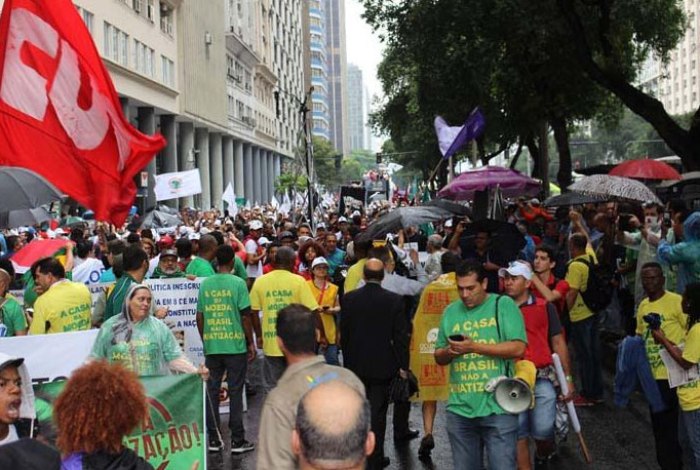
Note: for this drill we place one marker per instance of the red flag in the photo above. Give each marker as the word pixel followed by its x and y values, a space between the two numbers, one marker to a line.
pixel 59 113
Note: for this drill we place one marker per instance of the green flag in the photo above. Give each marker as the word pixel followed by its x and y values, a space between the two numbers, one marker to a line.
pixel 173 436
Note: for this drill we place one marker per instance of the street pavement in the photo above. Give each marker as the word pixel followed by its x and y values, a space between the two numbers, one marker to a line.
pixel 617 439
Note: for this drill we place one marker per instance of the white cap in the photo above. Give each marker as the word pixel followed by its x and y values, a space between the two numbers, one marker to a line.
pixel 342 219
pixel 194 236
pixel 356 213
pixel 204 231
pixel 60 231
pixel 183 230
pixel 263 241
pixel 321 225
pixel 255 224
pixel 318 261
pixel 217 223
pixel 448 223
pixel 517 268
pixel 534 201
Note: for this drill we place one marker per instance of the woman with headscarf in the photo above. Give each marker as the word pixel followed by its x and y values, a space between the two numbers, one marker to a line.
pixel 139 341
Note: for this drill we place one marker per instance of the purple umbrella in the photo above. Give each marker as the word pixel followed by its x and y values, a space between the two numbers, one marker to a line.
pixel 512 183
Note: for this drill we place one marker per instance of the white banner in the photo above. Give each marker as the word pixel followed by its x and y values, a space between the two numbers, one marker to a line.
pixel 177 184
pixel 51 357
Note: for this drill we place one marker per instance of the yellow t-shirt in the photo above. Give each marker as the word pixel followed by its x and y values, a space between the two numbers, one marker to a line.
pixel 673 324
pixel 689 394
pixel 354 275
pixel 271 293
pixel 65 306
pixel 326 300
pixel 577 277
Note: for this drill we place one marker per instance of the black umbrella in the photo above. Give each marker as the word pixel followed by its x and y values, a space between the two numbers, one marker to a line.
pixel 160 219
pixel 573 198
pixel 505 237
pixel 24 189
pixel 403 217
pixel 454 207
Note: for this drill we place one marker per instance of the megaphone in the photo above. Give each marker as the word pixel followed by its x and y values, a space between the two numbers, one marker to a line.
pixel 515 394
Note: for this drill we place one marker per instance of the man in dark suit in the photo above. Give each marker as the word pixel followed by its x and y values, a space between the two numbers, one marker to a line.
pixel 375 337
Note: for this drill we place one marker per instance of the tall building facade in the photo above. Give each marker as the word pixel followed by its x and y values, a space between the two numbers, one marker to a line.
pixel 357 114
pixel 337 74
pixel 221 80
pixel 676 84
pixel 318 67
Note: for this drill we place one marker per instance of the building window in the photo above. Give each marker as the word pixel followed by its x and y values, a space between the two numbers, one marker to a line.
pixel 166 19
pixel 168 67
pixel 88 18
pixel 116 44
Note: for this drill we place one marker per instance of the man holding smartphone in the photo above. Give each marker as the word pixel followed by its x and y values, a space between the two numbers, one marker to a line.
pixel 479 336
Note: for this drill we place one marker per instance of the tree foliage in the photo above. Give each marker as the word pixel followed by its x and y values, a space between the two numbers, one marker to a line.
pixel 518 60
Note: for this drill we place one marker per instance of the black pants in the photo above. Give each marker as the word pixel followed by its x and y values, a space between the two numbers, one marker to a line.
pixel 665 427
pixel 378 397
pixel 235 366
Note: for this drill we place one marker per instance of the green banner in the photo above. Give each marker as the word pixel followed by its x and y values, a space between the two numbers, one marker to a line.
pixel 173 436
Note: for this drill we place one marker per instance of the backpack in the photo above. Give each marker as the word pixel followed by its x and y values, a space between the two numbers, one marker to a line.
pixel 599 288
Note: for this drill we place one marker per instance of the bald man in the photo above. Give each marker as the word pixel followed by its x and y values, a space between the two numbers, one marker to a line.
pixel 12 319
pixel 332 428
pixel 375 337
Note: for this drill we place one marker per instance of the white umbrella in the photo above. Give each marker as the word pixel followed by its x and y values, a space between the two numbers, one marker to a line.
pixel 615 188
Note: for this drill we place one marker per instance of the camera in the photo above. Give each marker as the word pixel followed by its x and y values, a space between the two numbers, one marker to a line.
pixel 653 320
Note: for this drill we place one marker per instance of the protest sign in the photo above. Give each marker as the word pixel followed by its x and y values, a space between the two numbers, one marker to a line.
pixel 50 357
pixel 432 378
pixel 173 435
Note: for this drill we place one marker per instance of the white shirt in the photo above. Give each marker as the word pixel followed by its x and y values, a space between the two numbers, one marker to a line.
pixel 11 436
pixel 251 247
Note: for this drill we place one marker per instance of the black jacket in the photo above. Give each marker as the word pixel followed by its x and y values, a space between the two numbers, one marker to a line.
pixel 374 333
pixel 125 460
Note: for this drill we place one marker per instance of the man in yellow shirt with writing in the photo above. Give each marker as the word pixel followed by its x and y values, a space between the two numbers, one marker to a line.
pixel 63 305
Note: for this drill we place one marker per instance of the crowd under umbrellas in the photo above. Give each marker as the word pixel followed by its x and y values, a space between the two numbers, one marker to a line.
pixel 501 203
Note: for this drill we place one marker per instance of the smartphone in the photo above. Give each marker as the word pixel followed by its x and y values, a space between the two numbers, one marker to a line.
pixel 667 220
pixel 456 337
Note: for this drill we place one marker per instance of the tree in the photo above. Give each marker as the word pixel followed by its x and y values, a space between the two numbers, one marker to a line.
pixel 611 39
pixel 445 57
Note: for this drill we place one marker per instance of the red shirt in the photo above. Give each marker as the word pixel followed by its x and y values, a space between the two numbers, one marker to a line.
pixel 541 323
pixel 558 285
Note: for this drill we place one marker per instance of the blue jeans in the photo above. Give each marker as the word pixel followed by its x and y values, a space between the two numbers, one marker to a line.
pixel 584 335
pixel 538 422
pixel 691 424
pixel 331 355
pixel 499 434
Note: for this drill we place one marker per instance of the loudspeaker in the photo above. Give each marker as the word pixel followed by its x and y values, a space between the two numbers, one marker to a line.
pixel 513 395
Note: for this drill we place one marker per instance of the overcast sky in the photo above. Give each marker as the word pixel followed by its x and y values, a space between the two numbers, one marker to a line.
pixel 363 48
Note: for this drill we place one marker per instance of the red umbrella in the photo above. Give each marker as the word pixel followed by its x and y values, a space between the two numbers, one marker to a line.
pixel 645 169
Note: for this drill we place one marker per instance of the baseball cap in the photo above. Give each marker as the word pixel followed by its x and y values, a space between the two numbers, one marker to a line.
pixel 304 238
pixel 342 219
pixel 448 223
pixel 321 225
pixel 356 213
pixel 517 268
pixel 318 261
pixel 255 224
pixel 263 241
pixel 204 231
pixel 168 252
pixel 10 361
pixel 534 201
pixel 285 234
pixel 194 236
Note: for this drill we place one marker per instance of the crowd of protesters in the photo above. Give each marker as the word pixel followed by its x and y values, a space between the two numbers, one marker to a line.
pixel 319 303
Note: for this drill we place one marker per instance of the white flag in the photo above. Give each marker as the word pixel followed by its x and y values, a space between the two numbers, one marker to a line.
pixel 229 197
pixel 177 184
pixel 274 202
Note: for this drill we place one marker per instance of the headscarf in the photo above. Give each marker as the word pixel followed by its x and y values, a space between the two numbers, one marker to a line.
pixel 124 325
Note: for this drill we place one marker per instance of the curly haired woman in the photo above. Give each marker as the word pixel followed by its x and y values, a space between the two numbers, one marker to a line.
pixel 91 428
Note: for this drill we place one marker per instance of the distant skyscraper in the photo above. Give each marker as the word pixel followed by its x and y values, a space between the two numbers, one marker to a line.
pixel 337 73
pixel 318 68
pixel 357 114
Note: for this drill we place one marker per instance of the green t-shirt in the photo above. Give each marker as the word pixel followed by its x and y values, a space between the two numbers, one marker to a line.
pixel 239 269
pixel 470 373
pixel 151 348
pixel 222 297
pixel 12 317
pixel 115 299
pixel 200 267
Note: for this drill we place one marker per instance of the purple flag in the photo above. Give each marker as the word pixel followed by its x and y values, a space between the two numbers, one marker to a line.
pixel 452 138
